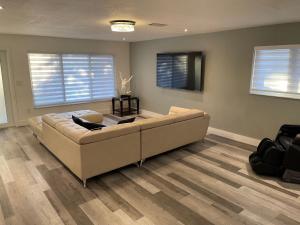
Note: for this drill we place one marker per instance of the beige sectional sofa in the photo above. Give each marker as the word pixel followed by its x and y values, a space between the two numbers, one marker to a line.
pixel 89 153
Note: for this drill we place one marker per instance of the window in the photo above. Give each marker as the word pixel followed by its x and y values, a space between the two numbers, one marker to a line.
pixel 276 71
pixel 71 78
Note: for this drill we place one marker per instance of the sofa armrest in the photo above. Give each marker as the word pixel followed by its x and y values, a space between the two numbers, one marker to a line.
pixel 107 133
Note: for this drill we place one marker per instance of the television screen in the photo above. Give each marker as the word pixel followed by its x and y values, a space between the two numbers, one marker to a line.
pixel 179 70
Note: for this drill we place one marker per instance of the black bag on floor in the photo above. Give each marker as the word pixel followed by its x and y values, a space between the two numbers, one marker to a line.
pixel 268 158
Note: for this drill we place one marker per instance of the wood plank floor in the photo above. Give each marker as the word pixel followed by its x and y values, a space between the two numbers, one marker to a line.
pixel 199 184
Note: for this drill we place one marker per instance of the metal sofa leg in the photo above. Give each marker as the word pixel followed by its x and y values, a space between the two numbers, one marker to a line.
pixel 84 183
pixel 141 162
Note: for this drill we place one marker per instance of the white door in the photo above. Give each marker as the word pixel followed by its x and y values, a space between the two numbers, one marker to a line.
pixel 5 102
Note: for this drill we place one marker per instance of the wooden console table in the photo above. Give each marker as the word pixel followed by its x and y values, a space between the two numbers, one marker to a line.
pixel 133 105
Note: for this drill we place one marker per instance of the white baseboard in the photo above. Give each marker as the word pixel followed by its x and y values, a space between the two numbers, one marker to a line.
pixel 233 136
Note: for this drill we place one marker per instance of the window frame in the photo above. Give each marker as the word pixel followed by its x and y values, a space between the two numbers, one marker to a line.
pixel 71 103
pixel 276 94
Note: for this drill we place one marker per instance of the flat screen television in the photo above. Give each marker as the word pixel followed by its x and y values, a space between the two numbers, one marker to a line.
pixel 180 70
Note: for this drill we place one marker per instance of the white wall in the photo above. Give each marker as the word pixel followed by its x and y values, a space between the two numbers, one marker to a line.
pixel 17 47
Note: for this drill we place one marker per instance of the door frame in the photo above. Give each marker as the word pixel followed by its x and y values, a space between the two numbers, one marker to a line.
pixel 9 91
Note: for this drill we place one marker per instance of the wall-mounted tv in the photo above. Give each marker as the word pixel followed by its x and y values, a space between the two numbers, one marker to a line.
pixel 180 70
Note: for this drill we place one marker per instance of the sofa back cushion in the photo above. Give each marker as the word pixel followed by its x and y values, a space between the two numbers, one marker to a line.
pixel 177 115
pixel 108 132
pixel 191 114
pixel 175 110
pixel 155 122
pixel 81 135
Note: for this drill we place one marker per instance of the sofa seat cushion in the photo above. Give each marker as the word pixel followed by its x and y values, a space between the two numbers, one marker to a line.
pixel 71 130
pixel 108 132
pixel 89 115
pixel 53 118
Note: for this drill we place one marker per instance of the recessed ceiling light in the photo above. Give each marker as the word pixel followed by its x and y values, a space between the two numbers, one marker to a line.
pixel 1 7
pixel 122 25
pixel 185 30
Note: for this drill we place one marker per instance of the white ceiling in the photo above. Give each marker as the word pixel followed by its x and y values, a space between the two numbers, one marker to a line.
pixel 90 18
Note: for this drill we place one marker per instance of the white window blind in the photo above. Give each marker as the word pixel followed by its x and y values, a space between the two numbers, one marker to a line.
pixel 69 78
pixel 276 71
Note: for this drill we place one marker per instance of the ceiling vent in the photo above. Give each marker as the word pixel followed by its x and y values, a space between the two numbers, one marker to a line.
pixel 157 24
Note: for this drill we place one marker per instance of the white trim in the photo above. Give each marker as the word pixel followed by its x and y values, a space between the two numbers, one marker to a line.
pixel 276 47
pixel 275 94
pixel 233 136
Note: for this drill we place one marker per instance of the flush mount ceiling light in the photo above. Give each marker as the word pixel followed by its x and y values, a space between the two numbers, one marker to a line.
pixel 122 25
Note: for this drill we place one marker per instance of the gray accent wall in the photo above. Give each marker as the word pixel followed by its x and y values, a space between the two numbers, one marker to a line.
pixel 227 79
